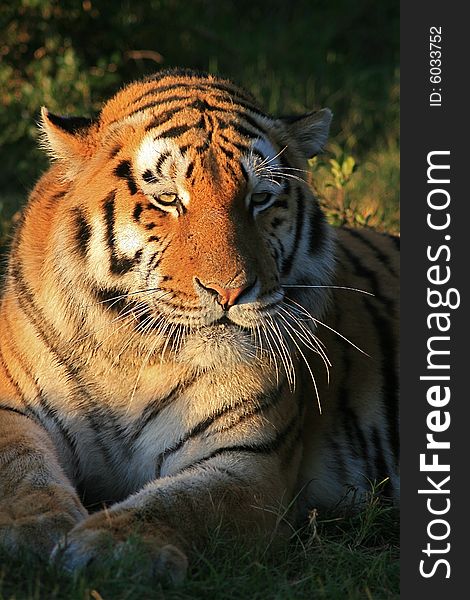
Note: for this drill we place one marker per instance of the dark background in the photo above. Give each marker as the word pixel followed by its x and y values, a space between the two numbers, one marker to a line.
pixel 295 56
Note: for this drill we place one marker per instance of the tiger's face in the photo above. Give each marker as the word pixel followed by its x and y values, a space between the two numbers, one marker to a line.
pixel 217 263
pixel 197 208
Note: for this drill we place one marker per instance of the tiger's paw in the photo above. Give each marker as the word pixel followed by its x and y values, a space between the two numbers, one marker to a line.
pixel 103 538
pixel 36 523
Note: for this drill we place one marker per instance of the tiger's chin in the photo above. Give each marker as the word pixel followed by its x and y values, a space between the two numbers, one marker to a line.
pixel 219 346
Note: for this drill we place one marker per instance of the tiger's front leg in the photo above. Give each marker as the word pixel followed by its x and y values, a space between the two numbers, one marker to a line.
pixel 38 504
pixel 241 490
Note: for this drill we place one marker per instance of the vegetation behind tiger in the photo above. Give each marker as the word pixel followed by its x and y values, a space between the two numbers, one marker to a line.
pixel 294 56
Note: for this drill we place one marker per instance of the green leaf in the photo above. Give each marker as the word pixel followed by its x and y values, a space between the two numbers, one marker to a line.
pixel 348 166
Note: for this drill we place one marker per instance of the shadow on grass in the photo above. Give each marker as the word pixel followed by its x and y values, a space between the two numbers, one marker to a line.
pixel 334 558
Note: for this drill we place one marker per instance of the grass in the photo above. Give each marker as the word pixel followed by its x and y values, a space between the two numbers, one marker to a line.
pixel 334 558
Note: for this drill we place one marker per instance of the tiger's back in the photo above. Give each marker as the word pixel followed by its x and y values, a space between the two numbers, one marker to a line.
pixel 354 446
pixel 173 302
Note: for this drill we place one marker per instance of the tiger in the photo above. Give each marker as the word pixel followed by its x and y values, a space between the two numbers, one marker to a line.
pixel 187 346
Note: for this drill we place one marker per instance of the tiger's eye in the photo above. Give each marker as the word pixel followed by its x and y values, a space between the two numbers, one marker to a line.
pixel 167 199
pixel 260 198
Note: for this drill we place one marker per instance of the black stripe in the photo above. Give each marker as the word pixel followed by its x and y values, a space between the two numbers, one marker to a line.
pixel 124 171
pixel 241 147
pixel 281 203
pixel 115 151
pixel 153 408
pixel 111 298
pixel 281 249
pixel 202 148
pixel 228 153
pixel 371 276
pixel 231 169
pixel 236 109
pixel 189 170
pixel 53 414
pixel 259 154
pixel 242 131
pixel 317 231
pixel 14 410
pixel 161 159
pixel 157 102
pixel 201 105
pixel 294 447
pixel 356 437
pixel 390 382
pixel 154 261
pixel 207 123
pixel 153 104
pixel 174 132
pixel 34 313
pixel 383 258
pixel 161 119
pixel 83 232
pixel 242 104
pixel 118 265
pixel 13 382
pixel 148 176
pixel 235 93
pixel 244 172
pixel 265 448
pixel 382 469
pixel 260 403
pixel 58 196
pixel 277 222
pixel 31 412
pixel 299 218
pixel 138 208
pixel 145 318
pixel 72 125
pixel 249 119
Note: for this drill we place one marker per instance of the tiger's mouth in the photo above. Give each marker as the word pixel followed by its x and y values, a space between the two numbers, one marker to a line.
pixel 226 322
pixel 218 346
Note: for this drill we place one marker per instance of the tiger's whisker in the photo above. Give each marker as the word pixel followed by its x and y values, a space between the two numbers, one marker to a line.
pixel 306 313
pixel 315 348
pixel 331 287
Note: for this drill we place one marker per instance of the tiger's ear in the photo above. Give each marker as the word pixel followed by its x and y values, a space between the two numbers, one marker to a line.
pixel 66 139
pixel 310 131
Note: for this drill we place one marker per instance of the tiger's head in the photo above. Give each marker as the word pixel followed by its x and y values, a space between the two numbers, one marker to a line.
pixel 185 198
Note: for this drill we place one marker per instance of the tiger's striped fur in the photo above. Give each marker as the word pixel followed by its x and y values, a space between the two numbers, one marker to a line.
pixel 172 299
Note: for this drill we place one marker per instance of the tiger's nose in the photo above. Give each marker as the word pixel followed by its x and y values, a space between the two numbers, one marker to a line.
pixel 227 297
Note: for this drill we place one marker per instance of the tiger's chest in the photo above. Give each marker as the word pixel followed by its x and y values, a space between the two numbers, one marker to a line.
pixel 118 438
